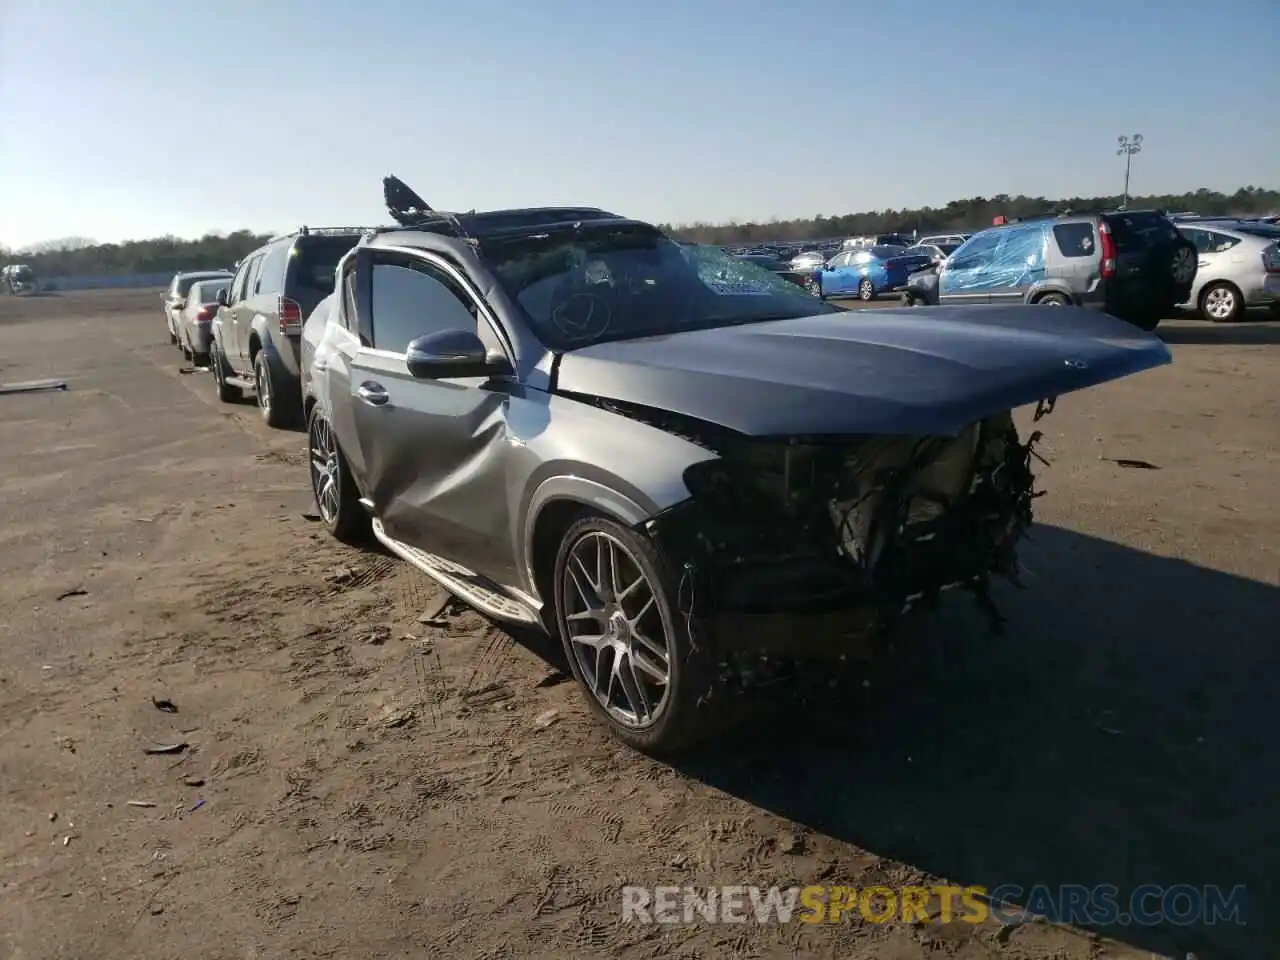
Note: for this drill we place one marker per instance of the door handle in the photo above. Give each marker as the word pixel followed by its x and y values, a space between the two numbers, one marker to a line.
pixel 373 394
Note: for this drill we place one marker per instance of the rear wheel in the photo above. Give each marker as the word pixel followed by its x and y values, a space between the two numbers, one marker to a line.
pixel 273 392
pixel 626 642
pixel 1221 302
pixel 866 289
pixel 1053 300
pixel 336 497
pixel 814 286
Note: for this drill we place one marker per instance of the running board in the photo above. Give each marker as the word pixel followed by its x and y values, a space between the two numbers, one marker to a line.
pixel 244 383
pixel 482 594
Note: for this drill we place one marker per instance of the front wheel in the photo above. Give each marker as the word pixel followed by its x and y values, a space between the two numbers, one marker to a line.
pixel 866 290
pixel 336 497
pixel 218 363
pixel 626 643
pixel 814 286
pixel 1053 300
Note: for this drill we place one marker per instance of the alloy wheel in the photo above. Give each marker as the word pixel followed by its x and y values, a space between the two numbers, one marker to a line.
pixel 1220 303
pixel 324 468
pixel 865 290
pixel 1184 267
pixel 615 630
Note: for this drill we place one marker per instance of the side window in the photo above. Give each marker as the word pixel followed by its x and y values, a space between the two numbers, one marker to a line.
pixel 840 260
pixel 349 299
pixel 411 301
pixel 271 272
pixel 241 282
pixel 1199 238
pixel 1220 242
pixel 975 251
pixel 1074 239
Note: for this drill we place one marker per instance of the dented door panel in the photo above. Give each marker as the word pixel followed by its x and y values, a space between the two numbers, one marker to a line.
pixel 435 460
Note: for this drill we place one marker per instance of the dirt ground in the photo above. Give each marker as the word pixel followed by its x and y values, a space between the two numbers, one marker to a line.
pixel 358 784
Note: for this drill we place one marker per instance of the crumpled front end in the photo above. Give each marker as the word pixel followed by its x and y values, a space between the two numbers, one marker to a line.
pixel 802 549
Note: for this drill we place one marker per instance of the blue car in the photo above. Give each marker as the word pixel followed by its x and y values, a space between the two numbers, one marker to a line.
pixel 867 273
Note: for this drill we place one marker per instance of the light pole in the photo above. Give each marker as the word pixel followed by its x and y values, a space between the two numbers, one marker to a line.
pixel 1128 147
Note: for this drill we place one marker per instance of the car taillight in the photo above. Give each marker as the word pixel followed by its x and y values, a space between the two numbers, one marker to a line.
pixel 1108 250
pixel 290 315
pixel 205 313
pixel 1271 258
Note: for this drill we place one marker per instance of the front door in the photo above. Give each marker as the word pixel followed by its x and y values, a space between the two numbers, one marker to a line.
pixel 1017 264
pixel 434 451
pixel 963 278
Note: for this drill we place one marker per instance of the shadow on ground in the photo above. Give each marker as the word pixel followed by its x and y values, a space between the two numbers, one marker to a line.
pixel 1221 333
pixel 1118 733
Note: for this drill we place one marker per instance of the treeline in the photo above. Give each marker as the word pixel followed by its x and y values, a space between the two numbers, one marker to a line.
pixel 165 254
pixel 159 255
pixel 971 214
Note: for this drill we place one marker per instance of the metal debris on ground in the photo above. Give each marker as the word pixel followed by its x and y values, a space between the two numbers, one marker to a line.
pixel 33 386
pixel 167 748
pixel 74 592
pixel 164 705
pixel 198 804
pixel 139 803
pixel 1131 464
pixel 397 718
pixel 546 719
pixel 448 608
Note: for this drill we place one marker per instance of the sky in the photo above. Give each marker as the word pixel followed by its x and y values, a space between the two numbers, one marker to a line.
pixel 126 119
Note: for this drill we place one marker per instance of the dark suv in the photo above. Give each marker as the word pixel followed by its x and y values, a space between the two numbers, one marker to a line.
pixel 1134 264
pixel 259 320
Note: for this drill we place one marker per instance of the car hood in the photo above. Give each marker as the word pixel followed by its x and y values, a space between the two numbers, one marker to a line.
pixel 896 371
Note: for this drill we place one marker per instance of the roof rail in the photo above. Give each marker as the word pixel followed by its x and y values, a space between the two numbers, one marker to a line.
pixel 305 231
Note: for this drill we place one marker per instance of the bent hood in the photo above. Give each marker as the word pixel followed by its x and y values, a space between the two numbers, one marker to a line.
pixel 896 371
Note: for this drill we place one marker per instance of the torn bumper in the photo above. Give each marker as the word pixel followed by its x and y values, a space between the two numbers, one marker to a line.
pixel 745 597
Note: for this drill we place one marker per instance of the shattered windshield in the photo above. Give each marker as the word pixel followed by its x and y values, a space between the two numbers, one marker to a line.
pixel 592 287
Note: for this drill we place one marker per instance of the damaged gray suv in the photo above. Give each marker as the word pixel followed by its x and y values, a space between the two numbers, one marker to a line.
pixel 673 459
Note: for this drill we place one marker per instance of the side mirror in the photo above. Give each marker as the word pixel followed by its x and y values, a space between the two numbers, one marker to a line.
pixel 221 298
pixel 453 353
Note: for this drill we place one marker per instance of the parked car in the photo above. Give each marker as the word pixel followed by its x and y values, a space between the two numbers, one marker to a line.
pixel 876 240
pixel 780 267
pixel 254 345
pixel 175 297
pixel 1238 267
pixel 943 239
pixel 567 420
pixel 867 273
pixel 936 252
pixel 808 260
pixel 195 319
pixel 1134 264
pixel 18 279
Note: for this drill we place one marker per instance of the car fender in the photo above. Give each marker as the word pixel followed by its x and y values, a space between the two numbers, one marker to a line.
pixel 555 469
pixel 261 325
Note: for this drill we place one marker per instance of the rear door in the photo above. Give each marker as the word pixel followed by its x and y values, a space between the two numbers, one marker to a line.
pixel 266 288
pixel 226 322
pixel 434 451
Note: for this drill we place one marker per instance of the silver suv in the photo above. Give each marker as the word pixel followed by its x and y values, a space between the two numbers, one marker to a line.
pixel 1134 264
pixel 259 320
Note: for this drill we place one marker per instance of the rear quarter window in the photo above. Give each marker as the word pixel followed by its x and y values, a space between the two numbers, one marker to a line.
pixel 1074 239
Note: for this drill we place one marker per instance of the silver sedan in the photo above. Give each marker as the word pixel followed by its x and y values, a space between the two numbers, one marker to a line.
pixel 1239 267
pixel 195 318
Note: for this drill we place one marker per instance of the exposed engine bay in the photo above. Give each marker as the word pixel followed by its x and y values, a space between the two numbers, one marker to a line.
pixel 819 545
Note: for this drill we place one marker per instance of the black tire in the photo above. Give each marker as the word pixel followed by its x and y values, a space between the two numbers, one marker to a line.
pixel 909 299
pixel 1053 300
pixel 866 290
pixel 348 521
pixel 218 363
pixel 814 286
pixel 680 720
pixel 1220 302
pixel 273 401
